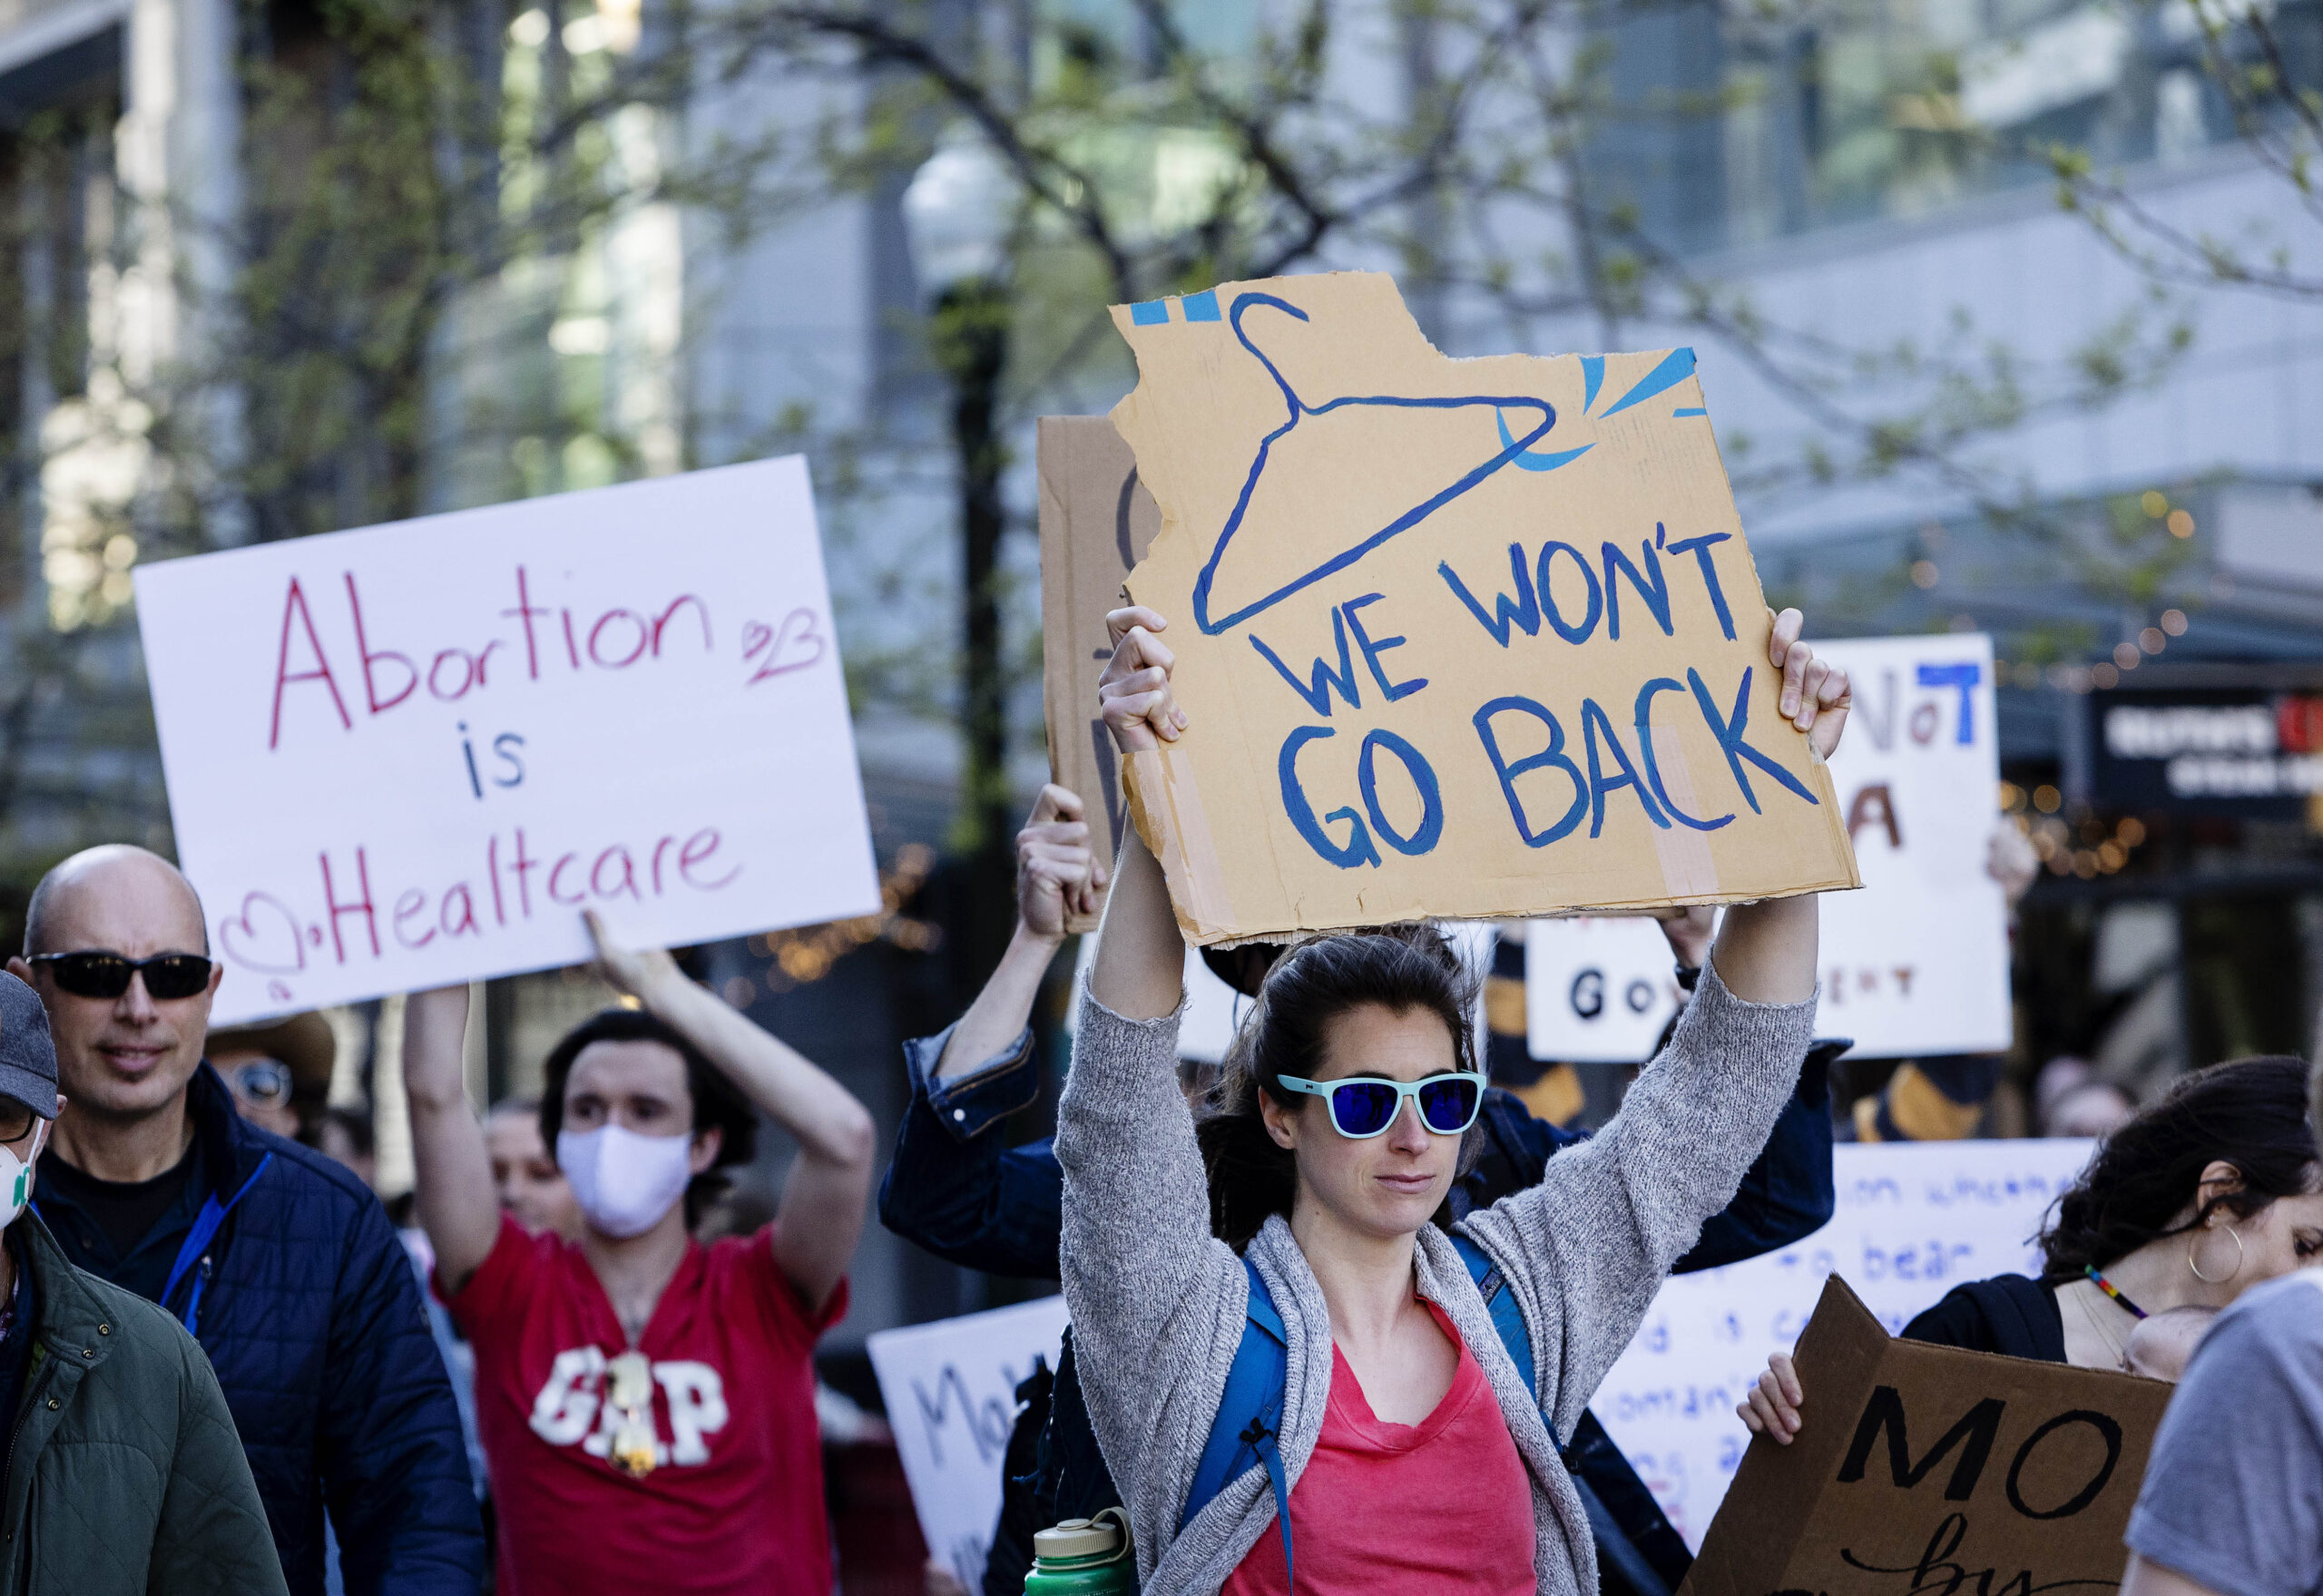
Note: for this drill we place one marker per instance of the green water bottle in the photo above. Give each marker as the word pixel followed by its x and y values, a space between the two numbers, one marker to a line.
pixel 1084 1556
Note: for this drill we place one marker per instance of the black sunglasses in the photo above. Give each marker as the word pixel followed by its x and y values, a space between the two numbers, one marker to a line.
pixel 107 975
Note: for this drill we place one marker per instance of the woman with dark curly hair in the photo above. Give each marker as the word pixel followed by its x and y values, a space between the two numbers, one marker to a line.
pixel 2212 1189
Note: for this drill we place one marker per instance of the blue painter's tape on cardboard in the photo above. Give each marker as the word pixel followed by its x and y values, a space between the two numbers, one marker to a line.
pixel 1202 306
pixel 1697 410
pixel 1150 312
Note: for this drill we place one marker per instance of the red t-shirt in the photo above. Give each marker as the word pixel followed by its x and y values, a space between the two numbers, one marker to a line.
pixel 735 1502
pixel 1444 1504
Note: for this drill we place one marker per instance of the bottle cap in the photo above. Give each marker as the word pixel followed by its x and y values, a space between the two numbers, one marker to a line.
pixel 1076 1537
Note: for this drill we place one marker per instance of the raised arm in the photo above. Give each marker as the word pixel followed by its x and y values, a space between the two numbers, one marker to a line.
pixel 951 1186
pixel 1134 1181
pixel 825 1200
pixel 1140 973
pixel 1766 952
pixel 457 1206
pixel 1056 876
pixel 1143 1276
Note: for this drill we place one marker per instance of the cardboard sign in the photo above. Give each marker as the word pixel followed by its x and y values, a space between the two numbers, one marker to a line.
pixel 1467 638
pixel 412 754
pixel 1912 1221
pixel 1928 1467
pixel 1916 963
pixel 1096 523
pixel 1598 988
pixel 950 1389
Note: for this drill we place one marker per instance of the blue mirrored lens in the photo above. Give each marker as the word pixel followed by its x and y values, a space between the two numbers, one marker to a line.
pixel 1447 1106
pixel 1363 1108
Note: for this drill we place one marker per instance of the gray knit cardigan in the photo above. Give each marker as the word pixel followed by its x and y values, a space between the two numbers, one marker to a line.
pixel 1158 1304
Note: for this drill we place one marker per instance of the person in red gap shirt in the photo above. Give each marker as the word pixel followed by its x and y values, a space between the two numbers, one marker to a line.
pixel 647 1404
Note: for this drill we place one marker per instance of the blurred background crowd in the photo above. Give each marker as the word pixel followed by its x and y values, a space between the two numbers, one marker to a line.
pixel 2011 312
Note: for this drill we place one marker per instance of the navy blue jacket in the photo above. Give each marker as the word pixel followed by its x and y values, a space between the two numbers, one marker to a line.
pixel 306 1303
pixel 972 1201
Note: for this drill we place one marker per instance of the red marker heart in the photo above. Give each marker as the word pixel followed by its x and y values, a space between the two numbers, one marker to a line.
pixel 264 943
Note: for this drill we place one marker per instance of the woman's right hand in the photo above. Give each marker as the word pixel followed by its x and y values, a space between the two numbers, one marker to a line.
pixel 1141 953
pixel 1775 1400
pixel 1134 693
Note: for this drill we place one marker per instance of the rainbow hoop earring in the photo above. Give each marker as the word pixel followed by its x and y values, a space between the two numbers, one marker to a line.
pixel 2193 1251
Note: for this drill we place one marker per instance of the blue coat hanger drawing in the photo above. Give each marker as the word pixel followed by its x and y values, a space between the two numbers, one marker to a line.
pixel 1514 450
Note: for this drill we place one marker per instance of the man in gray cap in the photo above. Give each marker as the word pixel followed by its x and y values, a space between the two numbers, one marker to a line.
pixel 92 1376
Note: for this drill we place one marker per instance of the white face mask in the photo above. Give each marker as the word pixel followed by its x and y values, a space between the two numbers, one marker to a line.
pixel 624 1182
pixel 17 1175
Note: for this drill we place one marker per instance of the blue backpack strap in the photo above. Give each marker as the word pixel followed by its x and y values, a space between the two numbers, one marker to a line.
pixel 1618 1555
pixel 1500 1302
pixel 1248 1427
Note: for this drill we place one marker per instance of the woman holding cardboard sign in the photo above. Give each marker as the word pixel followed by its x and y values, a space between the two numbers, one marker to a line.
pixel 1400 1389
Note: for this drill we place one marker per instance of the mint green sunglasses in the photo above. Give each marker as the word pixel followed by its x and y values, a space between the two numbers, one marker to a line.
pixel 1364 1106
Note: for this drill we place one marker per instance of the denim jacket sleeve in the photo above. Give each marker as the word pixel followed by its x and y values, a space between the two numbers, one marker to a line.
pixel 953 1187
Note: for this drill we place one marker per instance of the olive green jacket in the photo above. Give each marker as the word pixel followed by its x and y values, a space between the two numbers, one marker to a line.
pixel 123 1472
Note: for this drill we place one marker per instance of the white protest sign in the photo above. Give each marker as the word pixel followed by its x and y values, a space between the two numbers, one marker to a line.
pixel 1598 988
pixel 410 755
pixel 950 1389
pixel 1913 1220
pixel 1914 964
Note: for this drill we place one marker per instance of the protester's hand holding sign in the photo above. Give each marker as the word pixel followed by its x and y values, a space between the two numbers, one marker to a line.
pixel 1059 880
pixel 1057 877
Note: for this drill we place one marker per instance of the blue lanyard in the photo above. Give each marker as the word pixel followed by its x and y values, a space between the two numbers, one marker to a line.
pixel 197 1240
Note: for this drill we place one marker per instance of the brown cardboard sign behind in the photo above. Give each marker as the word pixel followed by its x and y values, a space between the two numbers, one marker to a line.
pixel 1467 638
pixel 1096 523
pixel 1928 1468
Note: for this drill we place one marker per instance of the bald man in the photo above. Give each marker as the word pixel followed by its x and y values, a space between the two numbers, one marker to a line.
pixel 280 1262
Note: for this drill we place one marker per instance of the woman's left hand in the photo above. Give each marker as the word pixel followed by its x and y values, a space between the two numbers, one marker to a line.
pixel 1816 694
